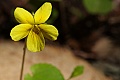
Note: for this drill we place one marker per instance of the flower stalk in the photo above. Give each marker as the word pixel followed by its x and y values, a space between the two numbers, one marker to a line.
pixel 23 61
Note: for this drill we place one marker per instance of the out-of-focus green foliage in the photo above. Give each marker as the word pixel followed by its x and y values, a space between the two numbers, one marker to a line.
pixel 77 71
pixel 98 6
pixel 44 72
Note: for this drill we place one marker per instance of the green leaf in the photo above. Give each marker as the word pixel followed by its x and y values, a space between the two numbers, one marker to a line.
pixel 44 72
pixel 77 71
pixel 98 6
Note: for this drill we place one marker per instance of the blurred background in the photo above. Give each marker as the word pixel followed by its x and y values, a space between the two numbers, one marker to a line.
pixel 90 28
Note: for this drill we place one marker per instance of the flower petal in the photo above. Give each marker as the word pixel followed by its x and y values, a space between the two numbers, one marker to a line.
pixel 49 31
pixel 35 42
pixel 20 31
pixel 23 16
pixel 43 13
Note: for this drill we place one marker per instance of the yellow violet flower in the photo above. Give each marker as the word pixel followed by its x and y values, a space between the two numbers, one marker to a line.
pixel 34 27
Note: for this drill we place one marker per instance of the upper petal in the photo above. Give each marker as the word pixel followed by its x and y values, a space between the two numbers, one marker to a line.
pixel 43 13
pixel 35 41
pixel 20 31
pixel 49 31
pixel 23 16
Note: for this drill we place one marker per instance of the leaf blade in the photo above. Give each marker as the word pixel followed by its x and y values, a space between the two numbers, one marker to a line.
pixel 78 70
pixel 44 71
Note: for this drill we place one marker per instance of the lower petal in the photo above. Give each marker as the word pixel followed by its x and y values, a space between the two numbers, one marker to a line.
pixel 20 31
pixel 35 42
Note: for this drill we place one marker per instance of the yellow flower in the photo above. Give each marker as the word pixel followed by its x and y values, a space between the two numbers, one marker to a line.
pixel 34 27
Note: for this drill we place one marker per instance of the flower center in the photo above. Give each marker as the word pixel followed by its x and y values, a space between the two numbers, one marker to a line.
pixel 36 29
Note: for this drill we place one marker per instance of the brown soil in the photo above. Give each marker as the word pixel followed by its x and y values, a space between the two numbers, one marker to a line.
pixel 62 58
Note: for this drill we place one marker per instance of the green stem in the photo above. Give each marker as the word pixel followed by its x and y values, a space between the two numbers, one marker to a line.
pixel 23 61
